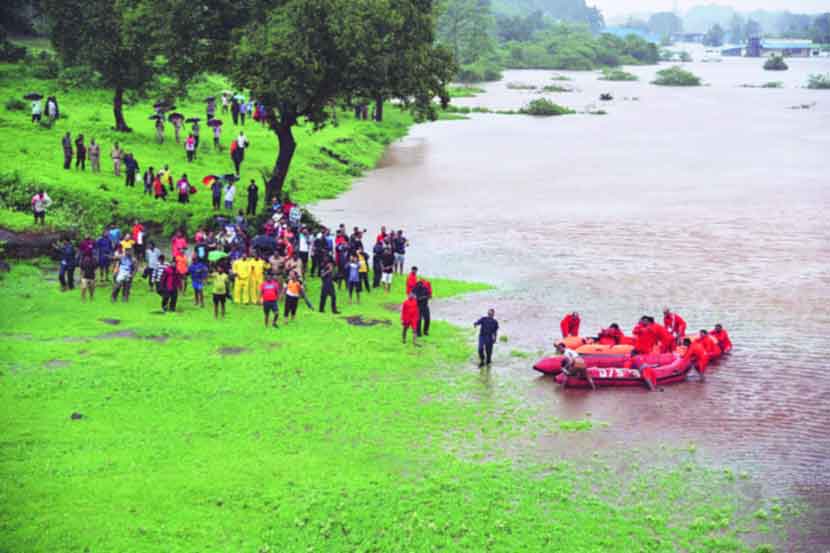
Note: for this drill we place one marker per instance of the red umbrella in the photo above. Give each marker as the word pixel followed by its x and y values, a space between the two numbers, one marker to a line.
pixel 210 179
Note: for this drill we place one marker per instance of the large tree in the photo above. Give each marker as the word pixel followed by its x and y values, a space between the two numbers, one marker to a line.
pixel 109 36
pixel 303 55
pixel 464 26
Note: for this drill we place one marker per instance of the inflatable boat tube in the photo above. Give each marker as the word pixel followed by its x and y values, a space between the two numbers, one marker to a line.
pixel 659 369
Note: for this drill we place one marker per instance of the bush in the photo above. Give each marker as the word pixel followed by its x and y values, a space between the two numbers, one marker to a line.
pixel 15 104
pixel 617 75
pixel 10 52
pixel 521 86
pixel 556 88
pixel 545 108
pixel 819 82
pixel 776 63
pixel 479 72
pixel 676 76
pixel 45 66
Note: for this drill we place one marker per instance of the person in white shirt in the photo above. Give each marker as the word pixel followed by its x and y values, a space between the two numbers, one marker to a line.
pixel 40 202
pixel 573 365
pixel 230 193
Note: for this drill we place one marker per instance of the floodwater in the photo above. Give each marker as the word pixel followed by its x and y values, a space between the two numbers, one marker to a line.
pixel 712 200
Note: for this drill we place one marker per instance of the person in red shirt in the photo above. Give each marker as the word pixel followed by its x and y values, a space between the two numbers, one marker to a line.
pixel 270 292
pixel 381 235
pixel 610 336
pixel 709 344
pixel 664 337
pixel 644 336
pixel 697 354
pixel 674 323
pixel 411 280
pixel 409 318
pixel 570 325
pixel 722 337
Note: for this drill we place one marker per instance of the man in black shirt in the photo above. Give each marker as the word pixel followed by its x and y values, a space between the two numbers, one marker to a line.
pixel 487 337
pixel 327 289
pixel 253 198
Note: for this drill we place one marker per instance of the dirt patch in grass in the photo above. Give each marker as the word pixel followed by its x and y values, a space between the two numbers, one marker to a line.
pixel 232 351
pixel 76 416
pixel 358 320
pixel 112 322
pixel 393 307
pixel 56 364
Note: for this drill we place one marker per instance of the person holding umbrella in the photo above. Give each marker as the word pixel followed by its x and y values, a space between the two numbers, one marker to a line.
pixel 215 184
pixel 176 120
pixel 66 143
pixel 211 107
pixel 217 133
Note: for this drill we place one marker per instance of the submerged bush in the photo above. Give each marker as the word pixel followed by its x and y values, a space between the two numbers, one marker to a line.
pixel 819 82
pixel 545 108
pixel 617 75
pixel 776 63
pixel 676 76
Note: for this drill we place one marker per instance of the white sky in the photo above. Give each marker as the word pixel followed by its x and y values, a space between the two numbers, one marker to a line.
pixel 621 7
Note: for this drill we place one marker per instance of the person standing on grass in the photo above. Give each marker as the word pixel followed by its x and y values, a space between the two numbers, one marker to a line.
pixel 37 111
pixel 80 153
pixel 117 155
pixel 388 264
pixel 124 277
pixel 399 244
pixel 131 166
pixel 190 148
pixel 353 278
pixel 293 291
pixel 104 248
pixel 220 290
pixel 148 178
pixel 327 287
pixel 160 129
pixel 198 274
pixel 66 144
pixel 423 293
pixel 184 189
pixel 159 191
pixel 487 336
pixel 377 263
pixel 152 256
pixel 270 292
pixel 253 198
pixel 217 136
pixel 363 270
pixel 230 193
pixel 177 128
pixel 243 109
pixel 40 202
pixel 195 130
pixel 51 110
pixel 95 156
pixel 216 190
pixel 87 277
pixel 409 318
pixel 170 285
pixel 66 272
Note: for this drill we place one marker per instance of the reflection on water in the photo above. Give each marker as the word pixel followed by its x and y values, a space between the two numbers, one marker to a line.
pixel 709 200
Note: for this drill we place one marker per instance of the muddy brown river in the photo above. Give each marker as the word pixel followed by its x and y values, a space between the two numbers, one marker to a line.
pixel 712 200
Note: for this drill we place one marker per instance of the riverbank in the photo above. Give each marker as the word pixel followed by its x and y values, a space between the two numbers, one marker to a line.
pixel 31 157
pixel 130 429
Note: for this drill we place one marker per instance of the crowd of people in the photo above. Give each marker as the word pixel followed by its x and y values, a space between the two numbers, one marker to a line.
pixel 268 268
pixel 648 336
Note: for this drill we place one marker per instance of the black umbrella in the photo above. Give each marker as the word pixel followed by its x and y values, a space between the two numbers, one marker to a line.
pixel 210 99
pixel 264 242
pixel 230 178
pixel 156 117
pixel 33 96
pixel 175 115
pixel 192 120
pixel 214 122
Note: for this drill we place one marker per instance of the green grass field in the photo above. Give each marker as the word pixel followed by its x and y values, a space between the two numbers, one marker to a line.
pixel 203 435
pixel 33 153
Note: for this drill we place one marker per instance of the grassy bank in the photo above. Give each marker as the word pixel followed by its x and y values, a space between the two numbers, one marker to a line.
pixel 31 156
pixel 199 435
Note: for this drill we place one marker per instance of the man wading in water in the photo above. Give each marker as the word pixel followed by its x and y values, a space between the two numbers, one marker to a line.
pixel 487 337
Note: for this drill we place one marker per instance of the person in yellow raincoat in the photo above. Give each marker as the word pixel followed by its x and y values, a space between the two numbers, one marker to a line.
pixel 242 281
pixel 257 266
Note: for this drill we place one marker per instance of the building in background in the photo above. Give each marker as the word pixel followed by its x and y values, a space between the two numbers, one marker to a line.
pixel 757 47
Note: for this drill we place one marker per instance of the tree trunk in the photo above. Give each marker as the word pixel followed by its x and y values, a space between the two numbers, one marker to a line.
pixel 286 153
pixel 118 111
pixel 379 109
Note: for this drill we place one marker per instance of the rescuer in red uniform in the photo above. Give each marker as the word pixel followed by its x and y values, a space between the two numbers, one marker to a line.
pixel 570 325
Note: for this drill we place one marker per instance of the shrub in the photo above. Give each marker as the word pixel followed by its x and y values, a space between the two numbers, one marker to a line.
pixel 556 88
pixel 819 82
pixel 521 86
pixel 617 75
pixel 10 52
pixel 479 72
pixel 676 76
pixel 15 104
pixel 776 63
pixel 559 77
pixel 545 108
